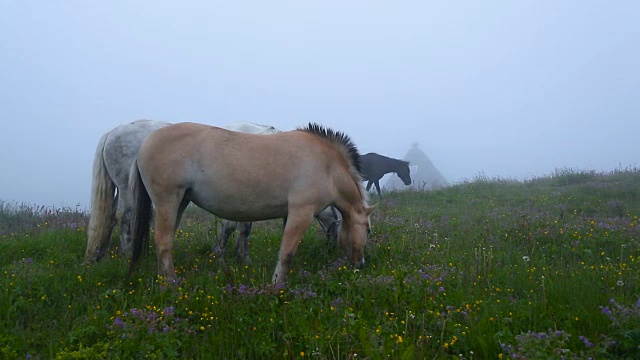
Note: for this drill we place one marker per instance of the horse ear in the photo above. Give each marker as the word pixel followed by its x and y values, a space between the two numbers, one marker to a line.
pixel 369 209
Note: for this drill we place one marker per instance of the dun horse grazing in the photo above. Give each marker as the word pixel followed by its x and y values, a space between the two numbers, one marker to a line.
pixel 110 199
pixel 375 166
pixel 247 177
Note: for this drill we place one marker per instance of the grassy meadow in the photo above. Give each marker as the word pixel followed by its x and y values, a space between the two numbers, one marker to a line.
pixel 547 268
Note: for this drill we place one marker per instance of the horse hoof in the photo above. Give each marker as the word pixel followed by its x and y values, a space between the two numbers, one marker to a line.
pixel 218 251
pixel 278 279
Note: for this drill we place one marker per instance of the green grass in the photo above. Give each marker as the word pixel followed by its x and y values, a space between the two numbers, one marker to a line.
pixel 486 269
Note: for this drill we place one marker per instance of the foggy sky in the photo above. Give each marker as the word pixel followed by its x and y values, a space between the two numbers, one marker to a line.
pixel 510 89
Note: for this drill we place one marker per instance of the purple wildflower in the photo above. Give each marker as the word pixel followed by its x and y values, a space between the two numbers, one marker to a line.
pixel 337 302
pixel 586 341
pixel 304 293
pixel 169 310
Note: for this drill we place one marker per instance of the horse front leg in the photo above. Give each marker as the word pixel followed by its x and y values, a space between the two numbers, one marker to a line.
pixel 330 222
pixel 297 223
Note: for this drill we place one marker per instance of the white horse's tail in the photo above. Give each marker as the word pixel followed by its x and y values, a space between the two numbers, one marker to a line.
pixel 140 216
pixel 103 207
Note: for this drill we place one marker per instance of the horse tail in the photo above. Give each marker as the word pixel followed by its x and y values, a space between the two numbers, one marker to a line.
pixel 101 219
pixel 140 215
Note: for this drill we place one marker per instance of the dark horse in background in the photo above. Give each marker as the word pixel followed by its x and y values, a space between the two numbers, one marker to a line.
pixel 375 166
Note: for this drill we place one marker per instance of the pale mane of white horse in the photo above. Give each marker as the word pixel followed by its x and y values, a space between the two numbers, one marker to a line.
pixel 251 128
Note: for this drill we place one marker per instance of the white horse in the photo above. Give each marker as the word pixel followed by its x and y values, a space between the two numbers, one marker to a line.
pixel 111 200
pixel 110 197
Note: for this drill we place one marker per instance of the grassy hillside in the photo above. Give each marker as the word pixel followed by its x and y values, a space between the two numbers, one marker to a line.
pixel 487 269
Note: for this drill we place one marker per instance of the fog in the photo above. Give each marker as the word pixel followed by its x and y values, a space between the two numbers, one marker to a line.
pixel 504 89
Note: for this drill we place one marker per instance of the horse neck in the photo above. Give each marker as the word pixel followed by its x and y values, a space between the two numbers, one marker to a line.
pixel 352 195
pixel 388 164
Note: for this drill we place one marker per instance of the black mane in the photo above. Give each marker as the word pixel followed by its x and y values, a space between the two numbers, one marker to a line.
pixel 339 138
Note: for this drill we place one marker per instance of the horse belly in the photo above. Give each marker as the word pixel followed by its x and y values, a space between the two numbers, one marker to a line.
pixel 240 204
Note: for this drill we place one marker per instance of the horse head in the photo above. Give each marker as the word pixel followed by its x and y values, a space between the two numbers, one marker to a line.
pixel 404 173
pixel 354 233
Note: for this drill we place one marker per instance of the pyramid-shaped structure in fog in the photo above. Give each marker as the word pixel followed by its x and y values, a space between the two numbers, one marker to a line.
pixel 424 174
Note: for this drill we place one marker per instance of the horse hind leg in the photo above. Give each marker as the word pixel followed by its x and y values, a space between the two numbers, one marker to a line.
pixel 377 184
pixel 125 209
pixel 226 230
pixel 242 243
pixel 181 208
pixel 298 222
pixel 166 223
